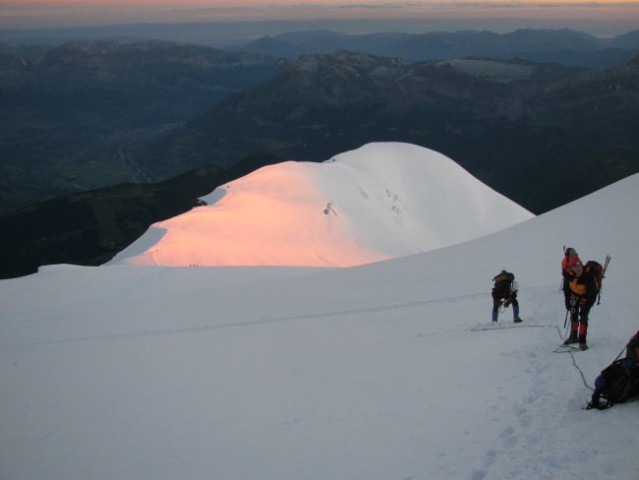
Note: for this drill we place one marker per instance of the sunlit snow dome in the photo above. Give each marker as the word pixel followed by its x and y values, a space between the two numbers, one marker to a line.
pixel 381 201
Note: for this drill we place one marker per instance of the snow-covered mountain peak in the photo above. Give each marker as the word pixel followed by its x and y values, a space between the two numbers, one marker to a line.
pixel 381 201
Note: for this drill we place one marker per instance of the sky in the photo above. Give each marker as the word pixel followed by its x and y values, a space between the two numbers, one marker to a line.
pixel 389 370
pixel 603 16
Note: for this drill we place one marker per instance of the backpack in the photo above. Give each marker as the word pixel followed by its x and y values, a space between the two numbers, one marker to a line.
pixel 596 270
pixel 505 285
pixel 615 385
pixel 504 276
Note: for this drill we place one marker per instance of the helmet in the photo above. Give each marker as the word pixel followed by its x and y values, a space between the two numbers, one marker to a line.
pixel 571 252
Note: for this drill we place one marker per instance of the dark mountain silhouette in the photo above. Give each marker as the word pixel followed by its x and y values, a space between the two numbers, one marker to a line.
pixel 85 114
pixel 521 127
pixel 74 116
pixel 89 228
pixel 567 47
pixel 629 40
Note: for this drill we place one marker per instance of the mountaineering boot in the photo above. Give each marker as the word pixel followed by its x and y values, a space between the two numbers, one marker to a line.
pixel 582 342
pixel 516 318
pixel 571 339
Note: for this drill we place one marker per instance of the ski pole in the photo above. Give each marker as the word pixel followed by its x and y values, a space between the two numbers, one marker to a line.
pixel 566 318
pixel 599 296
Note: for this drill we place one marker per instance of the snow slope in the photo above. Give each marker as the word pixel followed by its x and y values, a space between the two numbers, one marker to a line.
pixel 381 201
pixel 381 371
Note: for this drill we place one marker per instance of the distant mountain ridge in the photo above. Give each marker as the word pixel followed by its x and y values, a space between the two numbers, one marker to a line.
pixel 508 123
pixel 564 46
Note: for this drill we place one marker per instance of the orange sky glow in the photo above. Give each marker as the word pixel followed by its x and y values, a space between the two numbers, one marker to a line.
pixel 315 3
pixel 296 2
pixel 619 15
pixel 387 5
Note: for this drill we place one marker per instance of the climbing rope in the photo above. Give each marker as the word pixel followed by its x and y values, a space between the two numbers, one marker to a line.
pixel 572 355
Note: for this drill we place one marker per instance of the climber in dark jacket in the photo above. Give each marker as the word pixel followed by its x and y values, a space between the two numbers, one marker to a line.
pixel 505 293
